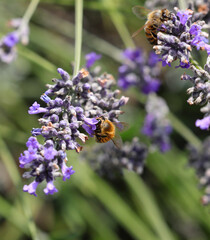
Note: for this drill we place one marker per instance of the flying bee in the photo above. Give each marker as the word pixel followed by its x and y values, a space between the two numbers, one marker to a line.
pixel 154 21
pixel 107 130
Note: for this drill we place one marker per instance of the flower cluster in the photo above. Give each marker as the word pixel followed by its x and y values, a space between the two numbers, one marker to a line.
pixel 199 159
pixel 139 71
pixel 72 104
pixel 200 92
pixel 108 161
pixel 177 36
pixel 156 125
pixel 8 43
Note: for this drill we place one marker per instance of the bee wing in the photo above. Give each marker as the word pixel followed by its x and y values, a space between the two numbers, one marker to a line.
pixel 138 31
pixel 121 126
pixel 117 140
pixel 140 12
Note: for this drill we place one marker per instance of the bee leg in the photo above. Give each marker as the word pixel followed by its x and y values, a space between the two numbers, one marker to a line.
pixel 101 135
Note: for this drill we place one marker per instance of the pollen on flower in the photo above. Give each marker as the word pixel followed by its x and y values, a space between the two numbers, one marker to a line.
pixel 84 73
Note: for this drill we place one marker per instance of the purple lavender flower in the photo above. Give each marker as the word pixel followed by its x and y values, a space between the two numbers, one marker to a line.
pixel 203 123
pixel 67 171
pixel 156 125
pixel 7 47
pixel 8 43
pixel 72 105
pixel 184 16
pixel 24 31
pixel 35 109
pixel 139 72
pixel 50 189
pixel 177 37
pixel 199 160
pixel 91 58
pixel 31 188
pixel 108 161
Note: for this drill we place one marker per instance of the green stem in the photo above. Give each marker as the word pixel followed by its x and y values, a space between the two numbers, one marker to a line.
pixel 118 21
pixel 30 11
pixel 185 132
pixel 147 204
pixel 195 63
pixel 28 14
pixel 78 34
pixel 182 4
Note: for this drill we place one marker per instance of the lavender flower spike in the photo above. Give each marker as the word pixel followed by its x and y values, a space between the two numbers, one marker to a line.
pixel 156 125
pixel 200 92
pixel 178 36
pixel 108 161
pixel 71 105
pixel 139 71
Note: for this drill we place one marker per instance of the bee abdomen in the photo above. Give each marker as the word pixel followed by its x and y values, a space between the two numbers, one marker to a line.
pixel 151 35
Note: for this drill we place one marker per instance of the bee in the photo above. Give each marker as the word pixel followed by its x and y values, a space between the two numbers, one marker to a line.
pixel 154 21
pixel 106 131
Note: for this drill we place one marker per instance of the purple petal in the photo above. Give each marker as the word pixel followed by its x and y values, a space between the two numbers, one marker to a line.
pixel 49 153
pixel 66 171
pixel 91 58
pixel 183 15
pixel 88 129
pixel 90 121
pixel 65 76
pixel 11 39
pixel 31 188
pixel 50 189
pixel 204 123
pixel 35 109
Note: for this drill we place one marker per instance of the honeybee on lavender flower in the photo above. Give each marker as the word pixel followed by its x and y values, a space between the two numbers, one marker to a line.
pixel 154 21
pixel 107 130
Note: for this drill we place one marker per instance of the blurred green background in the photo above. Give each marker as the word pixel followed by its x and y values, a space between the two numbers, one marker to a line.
pixel 162 204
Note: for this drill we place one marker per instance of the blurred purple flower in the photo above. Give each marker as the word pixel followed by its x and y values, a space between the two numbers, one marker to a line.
pixel 8 43
pixel 204 123
pixel 139 71
pixel 156 125
pixel 108 161
pixel 91 58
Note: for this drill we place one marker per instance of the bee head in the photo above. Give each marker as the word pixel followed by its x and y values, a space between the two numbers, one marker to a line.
pixel 165 13
pixel 99 120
